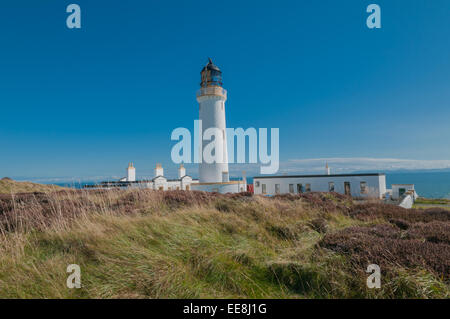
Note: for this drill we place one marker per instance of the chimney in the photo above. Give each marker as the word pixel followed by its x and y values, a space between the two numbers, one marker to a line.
pixel 159 171
pixel 181 171
pixel 131 173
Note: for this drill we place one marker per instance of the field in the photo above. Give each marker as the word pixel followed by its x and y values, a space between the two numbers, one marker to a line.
pixel 429 202
pixel 176 244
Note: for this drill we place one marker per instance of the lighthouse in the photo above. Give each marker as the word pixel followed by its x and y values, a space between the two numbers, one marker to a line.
pixel 211 98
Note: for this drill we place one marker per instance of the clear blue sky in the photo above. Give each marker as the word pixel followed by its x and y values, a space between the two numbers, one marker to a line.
pixel 86 102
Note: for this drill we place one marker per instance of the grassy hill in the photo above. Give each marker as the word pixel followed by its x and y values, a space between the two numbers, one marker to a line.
pixel 9 186
pixel 176 244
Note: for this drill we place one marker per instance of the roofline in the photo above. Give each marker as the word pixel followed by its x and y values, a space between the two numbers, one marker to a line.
pixel 221 183
pixel 332 175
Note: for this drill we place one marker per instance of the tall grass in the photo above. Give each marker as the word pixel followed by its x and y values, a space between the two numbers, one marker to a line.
pixel 176 244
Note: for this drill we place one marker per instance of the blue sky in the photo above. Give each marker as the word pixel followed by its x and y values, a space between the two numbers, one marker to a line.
pixel 86 102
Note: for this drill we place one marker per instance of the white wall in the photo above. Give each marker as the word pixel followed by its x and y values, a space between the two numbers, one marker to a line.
pixel 396 189
pixel 407 202
pixel 212 114
pixel 222 188
pixel 131 174
pixel 382 183
pixel 375 184
pixel 186 181
pixel 160 182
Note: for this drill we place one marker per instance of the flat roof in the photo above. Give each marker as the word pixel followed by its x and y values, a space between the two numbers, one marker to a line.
pixel 332 175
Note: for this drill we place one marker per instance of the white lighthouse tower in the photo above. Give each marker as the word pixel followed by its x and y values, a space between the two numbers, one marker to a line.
pixel 211 98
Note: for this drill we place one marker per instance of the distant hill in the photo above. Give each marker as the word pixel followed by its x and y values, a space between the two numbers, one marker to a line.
pixel 8 186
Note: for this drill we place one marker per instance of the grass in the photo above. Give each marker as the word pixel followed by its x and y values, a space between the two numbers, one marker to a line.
pixel 432 201
pixel 176 244
pixel 9 186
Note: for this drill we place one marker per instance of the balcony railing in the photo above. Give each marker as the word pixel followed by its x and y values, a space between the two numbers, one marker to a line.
pixel 212 90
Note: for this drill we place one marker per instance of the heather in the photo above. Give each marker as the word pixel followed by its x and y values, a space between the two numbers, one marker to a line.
pixel 177 244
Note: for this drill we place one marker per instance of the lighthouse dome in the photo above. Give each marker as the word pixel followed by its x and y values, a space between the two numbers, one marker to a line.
pixel 211 75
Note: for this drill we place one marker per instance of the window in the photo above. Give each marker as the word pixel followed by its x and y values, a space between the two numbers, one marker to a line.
pixel 291 188
pixel 347 188
pixel 256 184
pixel 299 188
pixel 277 188
pixel 331 186
pixel 363 187
pixel 264 191
pixel 308 187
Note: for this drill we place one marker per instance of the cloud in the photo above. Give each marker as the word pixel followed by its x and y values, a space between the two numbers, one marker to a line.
pixel 345 165
pixel 365 163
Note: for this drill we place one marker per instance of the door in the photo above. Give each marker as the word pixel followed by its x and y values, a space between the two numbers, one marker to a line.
pixel 401 192
pixel 347 188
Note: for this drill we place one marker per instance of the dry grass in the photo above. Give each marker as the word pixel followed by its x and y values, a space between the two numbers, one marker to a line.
pixel 9 186
pixel 176 244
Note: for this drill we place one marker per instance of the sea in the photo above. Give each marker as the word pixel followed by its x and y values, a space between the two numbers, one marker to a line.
pixel 427 184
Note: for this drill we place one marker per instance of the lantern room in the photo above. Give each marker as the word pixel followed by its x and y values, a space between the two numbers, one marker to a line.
pixel 211 75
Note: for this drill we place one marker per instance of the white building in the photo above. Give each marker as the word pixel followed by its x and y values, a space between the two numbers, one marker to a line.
pixel 356 185
pixel 214 177
pixel 398 190
pixel 159 182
